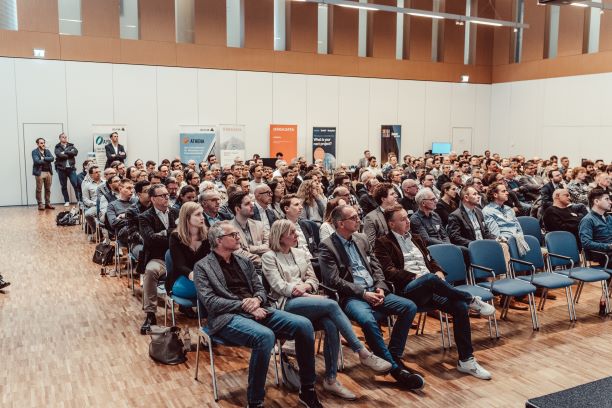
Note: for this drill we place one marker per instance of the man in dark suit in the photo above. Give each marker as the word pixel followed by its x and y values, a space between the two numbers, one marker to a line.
pixel 466 223
pixel 410 188
pixel 366 201
pixel 555 183
pixel 155 225
pixel 349 266
pixel 263 198
pixel 374 224
pixel 114 151
pixel 65 154
pixel 43 172
pixel 235 300
pixel 406 262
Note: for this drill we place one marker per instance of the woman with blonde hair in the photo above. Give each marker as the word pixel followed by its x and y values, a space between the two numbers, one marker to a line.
pixel 188 244
pixel 293 282
pixel 313 200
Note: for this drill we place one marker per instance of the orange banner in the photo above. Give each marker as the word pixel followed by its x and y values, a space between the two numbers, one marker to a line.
pixel 283 139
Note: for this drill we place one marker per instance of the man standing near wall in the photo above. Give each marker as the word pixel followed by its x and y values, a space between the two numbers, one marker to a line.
pixel 43 172
pixel 114 151
pixel 65 154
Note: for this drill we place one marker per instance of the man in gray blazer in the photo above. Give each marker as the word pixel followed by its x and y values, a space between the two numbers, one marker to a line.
pixel 234 298
pixel 349 266
pixel 374 224
pixel 254 238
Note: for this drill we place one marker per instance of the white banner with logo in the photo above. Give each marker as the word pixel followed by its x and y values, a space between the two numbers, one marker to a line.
pixel 231 143
pixel 101 137
pixel 196 142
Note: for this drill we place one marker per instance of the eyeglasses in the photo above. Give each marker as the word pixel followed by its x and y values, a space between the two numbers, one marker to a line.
pixel 430 199
pixel 234 235
pixel 265 193
pixel 353 218
pixel 162 195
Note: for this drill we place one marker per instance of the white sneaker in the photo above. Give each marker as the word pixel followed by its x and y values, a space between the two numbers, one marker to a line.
pixel 472 367
pixel 376 364
pixel 141 279
pixel 112 273
pixel 66 204
pixel 339 390
pixel 484 308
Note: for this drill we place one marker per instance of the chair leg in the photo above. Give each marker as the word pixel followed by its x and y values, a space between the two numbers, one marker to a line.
pixel 534 313
pixel 442 336
pixel 448 333
pixel 172 312
pixel 341 365
pixel 578 291
pixel 197 362
pixel 495 321
pixel 569 302
pixel 604 292
pixel 165 311
pixel 280 357
pixel 419 323
pixel 213 373
pixel 423 323
pixel 319 341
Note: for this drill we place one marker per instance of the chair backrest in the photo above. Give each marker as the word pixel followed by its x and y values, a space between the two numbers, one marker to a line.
pixel 487 253
pixel 450 259
pixel 531 226
pixel 562 243
pixel 168 260
pixel 534 255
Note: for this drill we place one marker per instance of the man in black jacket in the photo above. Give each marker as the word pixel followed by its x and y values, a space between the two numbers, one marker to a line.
pixel 466 223
pixel 129 234
pixel 43 172
pixel 563 215
pixel 155 224
pixel 65 154
pixel 555 183
pixel 114 151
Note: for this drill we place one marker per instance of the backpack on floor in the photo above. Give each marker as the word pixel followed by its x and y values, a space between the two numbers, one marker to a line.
pixel 67 218
pixel 104 254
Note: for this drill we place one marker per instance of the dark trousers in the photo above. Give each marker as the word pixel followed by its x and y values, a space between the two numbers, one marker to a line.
pixel 64 176
pixel 431 291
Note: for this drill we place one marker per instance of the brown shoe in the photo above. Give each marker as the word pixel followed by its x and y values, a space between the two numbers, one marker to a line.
pixel 41 207
pixel 518 305
pixel 49 207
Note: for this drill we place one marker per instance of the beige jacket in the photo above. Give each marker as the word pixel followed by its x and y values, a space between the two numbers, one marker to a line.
pixel 260 238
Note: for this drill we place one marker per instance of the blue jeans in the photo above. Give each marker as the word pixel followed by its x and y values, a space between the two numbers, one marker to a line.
pixel 184 287
pixel 368 316
pixel 326 314
pixel 429 291
pixel 260 337
pixel 64 176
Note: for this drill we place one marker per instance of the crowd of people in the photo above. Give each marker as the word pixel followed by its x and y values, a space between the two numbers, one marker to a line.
pixel 281 251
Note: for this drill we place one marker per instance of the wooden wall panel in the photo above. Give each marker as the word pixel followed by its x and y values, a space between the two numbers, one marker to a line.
pixel 210 22
pixel 157 22
pixel 148 52
pixel 533 37
pixel 344 29
pixel 40 16
pixel 100 18
pixel 454 35
pixel 96 49
pixel 382 27
pixel 302 29
pixel 605 33
pixel 502 35
pixel 484 36
pixel 418 33
pixel 21 44
pixel 571 24
pixel 259 24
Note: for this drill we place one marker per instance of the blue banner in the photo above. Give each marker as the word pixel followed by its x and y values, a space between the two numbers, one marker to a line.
pixel 324 146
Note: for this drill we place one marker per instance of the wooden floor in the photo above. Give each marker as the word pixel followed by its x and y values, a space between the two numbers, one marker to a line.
pixel 70 338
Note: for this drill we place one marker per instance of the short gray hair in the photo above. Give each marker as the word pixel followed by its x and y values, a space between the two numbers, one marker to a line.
pixel 207 195
pixel 422 195
pixel 337 214
pixel 215 232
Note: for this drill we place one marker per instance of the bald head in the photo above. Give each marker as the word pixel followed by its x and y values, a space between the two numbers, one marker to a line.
pixel 561 198
pixel 263 195
pixel 410 188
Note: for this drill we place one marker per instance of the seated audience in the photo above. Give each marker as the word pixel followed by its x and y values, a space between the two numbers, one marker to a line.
pixel 425 222
pixel 466 223
pixel 211 203
pixel 327 228
pixel 107 193
pixel 578 187
pixel 235 300
pixel 173 187
pixel 410 188
pixel 89 194
pixel 293 282
pixel 253 236
pixel 307 231
pixel 262 210
pixel 313 201
pixel 116 211
pixel 366 201
pixel 562 215
pixel 349 265
pixel 374 224
pixel 130 234
pixel 447 203
pixel 186 194
pixel 406 262
pixel 555 182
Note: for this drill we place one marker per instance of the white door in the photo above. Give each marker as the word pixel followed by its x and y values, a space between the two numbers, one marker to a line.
pixel 49 132
pixel 462 139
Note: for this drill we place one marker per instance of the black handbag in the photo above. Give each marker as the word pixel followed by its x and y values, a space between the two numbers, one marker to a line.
pixel 104 254
pixel 290 374
pixel 166 346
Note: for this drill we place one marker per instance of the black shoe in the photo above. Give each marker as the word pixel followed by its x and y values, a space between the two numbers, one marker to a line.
pixel 149 321
pixel 309 399
pixel 404 367
pixel 602 307
pixel 408 380
pixel 188 312
pixel 3 283
pixel 255 405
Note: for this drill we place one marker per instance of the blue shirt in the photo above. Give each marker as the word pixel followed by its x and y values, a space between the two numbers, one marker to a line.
pixel 595 231
pixel 501 221
pixel 361 275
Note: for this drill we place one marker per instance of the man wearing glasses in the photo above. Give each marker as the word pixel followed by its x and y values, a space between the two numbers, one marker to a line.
pixel 425 222
pixel 261 210
pixel 349 266
pixel 155 225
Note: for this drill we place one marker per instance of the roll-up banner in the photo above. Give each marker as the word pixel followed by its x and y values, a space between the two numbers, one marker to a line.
pixel 324 146
pixel 196 142
pixel 390 141
pixel 231 143
pixel 101 137
pixel 283 139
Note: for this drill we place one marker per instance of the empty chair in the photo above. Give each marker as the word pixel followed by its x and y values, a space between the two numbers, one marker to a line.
pixel 526 267
pixel 487 260
pixel 450 259
pixel 170 299
pixel 564 258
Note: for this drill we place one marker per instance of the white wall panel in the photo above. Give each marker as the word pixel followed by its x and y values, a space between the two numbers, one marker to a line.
pixel 177 104
pixel 290 106
pixel 463 105
pixel 411 115
pixel 89 102
pixel 437 113
pixel 525 120
pixel 570 101
pixel 135 105
pixel 216 97
pixel 10 155
pixel 322 98
pixel 382 111
pixel 482 119
pixel 501 95
pixel 254 109
pixel 352 137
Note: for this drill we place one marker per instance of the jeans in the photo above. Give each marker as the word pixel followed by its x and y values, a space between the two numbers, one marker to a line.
pixel 368 316
pixel 260 337
pixel 429 291
pixel 64 176
pixel 184 287
pixel 326 314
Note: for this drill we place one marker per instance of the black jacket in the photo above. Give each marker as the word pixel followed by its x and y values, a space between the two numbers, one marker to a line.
pixel 111 156
pixel 409 205
pixel 311 233
pixel 269 213
pixel 65 156
pixel 154 234
pixel 460 229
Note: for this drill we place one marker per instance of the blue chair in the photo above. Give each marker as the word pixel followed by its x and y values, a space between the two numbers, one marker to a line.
pixel 450 259
pixel 531 226
pixel 210 341
pixel 486 260
pixel 563 256
pixel 170 299
pixel 533 261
